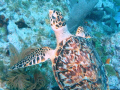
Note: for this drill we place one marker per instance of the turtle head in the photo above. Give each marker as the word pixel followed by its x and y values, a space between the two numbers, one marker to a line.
pixel 56 20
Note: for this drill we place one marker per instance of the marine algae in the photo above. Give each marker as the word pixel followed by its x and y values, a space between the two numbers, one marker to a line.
pixel 18 80
pixel 24 79
pixel 110 70
pixel 15 56
pixel 38 81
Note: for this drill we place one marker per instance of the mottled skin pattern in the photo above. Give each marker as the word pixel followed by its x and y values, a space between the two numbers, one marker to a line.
pixel 80 32
pixel 35 57
pixel 76 66
pixel 57 21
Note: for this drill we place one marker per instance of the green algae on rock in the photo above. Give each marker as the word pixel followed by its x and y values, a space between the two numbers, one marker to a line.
pixel 110 70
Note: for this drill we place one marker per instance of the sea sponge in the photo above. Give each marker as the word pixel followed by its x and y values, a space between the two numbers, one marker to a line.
pixel 79 10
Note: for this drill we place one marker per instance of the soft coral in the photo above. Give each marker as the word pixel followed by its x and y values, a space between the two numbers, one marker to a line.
pixel 18 80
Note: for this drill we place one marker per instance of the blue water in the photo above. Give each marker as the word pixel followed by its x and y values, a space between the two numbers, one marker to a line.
pixel 25 27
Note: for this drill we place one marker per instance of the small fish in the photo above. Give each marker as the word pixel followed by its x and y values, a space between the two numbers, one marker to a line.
pixel 108 61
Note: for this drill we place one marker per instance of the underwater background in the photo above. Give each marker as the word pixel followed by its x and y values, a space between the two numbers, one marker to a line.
pixel 25 26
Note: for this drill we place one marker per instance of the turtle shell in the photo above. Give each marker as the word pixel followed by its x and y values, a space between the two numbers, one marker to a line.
pixel 77 66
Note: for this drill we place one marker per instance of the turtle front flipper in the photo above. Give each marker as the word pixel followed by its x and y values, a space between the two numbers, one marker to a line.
pixel 36 57
pixel 80 32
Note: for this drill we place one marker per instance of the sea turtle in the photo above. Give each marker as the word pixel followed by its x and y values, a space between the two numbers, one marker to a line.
pixel 76 65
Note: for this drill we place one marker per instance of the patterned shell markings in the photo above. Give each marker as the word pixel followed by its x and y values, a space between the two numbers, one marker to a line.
pixel 76 66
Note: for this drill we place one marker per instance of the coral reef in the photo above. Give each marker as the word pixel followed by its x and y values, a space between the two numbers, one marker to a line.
pixel 96 15
pixel 3 21
pixel 38 82
pixel 3 27
pixel 100 48
pixel 117 17
pixel 1 66
pixel 114 83
pixel 21 80
pixel 110 70
pixel 117 2
pixel 80 9
pixel 18 80
pixel 15 56
pixel 104 30
pixel 21 24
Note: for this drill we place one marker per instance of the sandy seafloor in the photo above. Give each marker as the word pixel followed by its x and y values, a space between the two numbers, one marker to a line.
pixel 104 30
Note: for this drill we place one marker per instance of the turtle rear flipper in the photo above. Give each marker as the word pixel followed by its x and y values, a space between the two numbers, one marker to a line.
pixel 80 32
pixel 36 57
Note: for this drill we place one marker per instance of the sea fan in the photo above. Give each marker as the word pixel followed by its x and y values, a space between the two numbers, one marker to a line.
pixel 38 82
pixel 18 80
pixel 15 56
pixel 26 52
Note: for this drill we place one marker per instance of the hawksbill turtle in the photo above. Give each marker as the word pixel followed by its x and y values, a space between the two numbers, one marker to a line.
pixel 76 65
